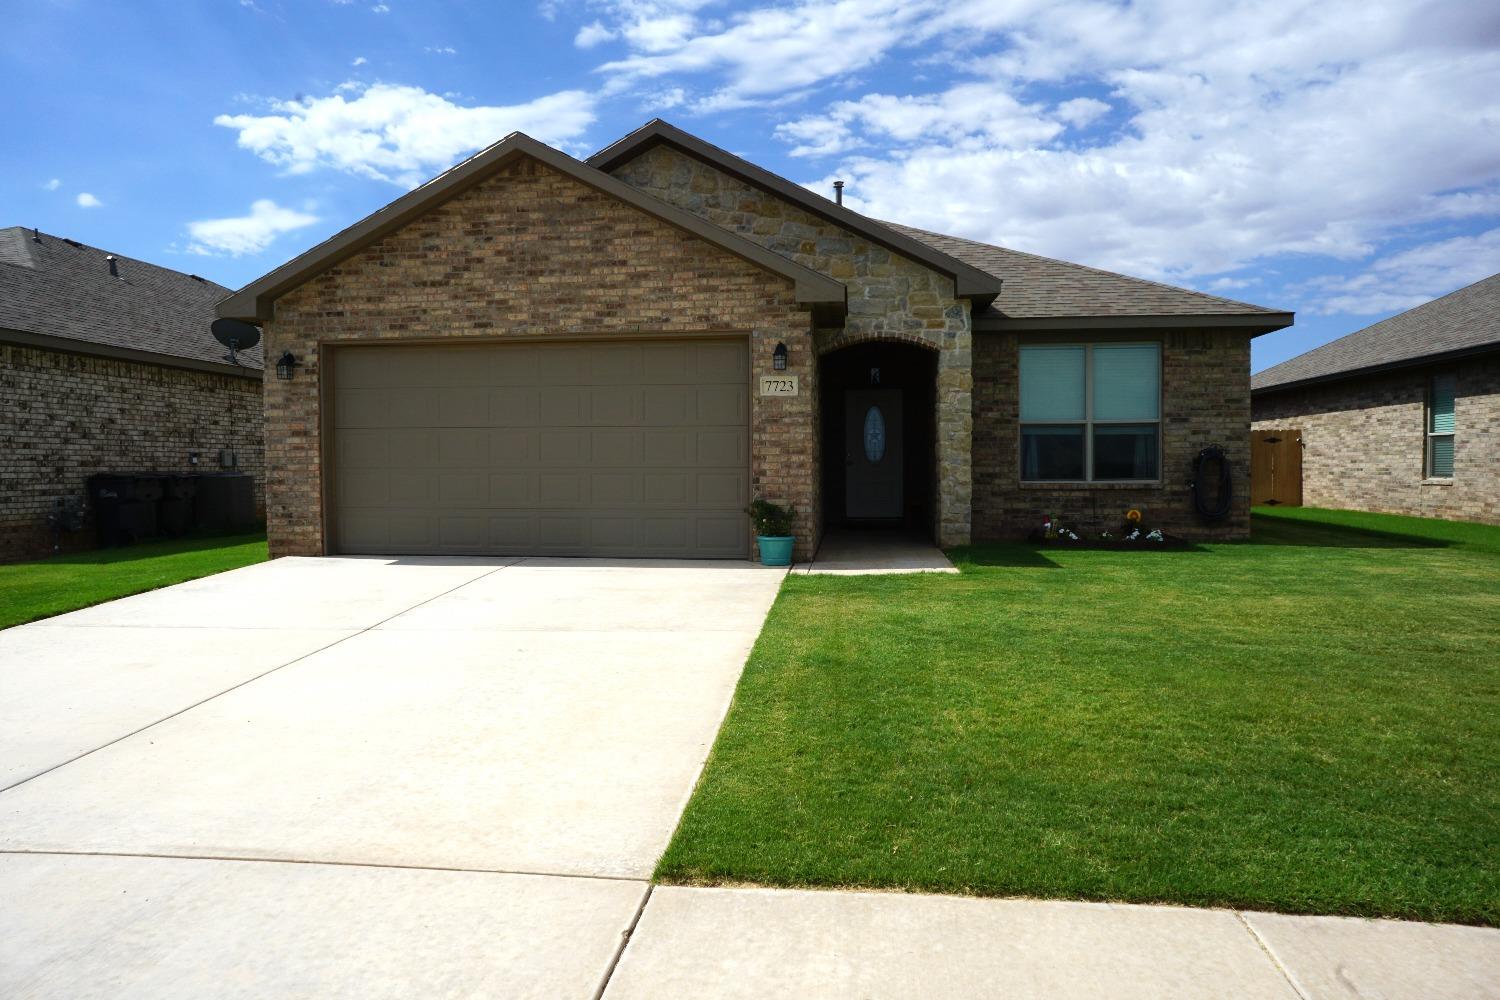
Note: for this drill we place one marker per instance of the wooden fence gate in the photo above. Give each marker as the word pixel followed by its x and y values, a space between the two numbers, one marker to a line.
pixel 1276 468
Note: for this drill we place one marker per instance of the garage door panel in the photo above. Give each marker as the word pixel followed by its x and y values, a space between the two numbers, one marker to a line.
pixel 510 447
pixel 470 489
pixel 725 361
pixel 514 406
pixel 720 448
pixel 621 449
pixel 457 448
pixel 362 449
pixel 464 406
pixel 360 408
pixel 614 406
pixel 513 489
pixel 724 405
pixel 563 406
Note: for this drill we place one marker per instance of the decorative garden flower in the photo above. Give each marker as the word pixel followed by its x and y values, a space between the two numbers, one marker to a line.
pixel 1133 535
pixel 1133 516
pixel 1156 536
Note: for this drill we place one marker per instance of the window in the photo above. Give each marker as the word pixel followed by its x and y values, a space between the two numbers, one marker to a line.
pixel 1441 398
pixel 1090 412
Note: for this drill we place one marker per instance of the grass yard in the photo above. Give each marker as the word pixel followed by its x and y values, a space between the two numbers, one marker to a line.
pixel 1309 722
pixel 33 590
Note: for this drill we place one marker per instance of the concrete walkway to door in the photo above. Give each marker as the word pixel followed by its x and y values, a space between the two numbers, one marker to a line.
pixel 357 776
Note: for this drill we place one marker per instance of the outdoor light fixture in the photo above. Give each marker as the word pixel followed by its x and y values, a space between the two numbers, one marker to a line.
pixel 778 358
pixel 285 366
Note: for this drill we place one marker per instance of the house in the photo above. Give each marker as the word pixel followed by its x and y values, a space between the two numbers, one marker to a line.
pixel 537 354
pixel 1401 417
pixel 107 365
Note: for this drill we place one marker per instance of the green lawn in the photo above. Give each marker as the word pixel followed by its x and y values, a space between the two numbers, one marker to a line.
pixel 1309 722
pixel 33 590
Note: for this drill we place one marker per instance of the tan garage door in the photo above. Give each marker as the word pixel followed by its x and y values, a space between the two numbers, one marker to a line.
pixel 635 448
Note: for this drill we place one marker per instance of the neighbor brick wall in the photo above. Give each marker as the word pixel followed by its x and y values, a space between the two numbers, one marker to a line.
pixel 67 416
pixel 1364 442
pixel 1205 400
pixel 890 296
pixel 530 252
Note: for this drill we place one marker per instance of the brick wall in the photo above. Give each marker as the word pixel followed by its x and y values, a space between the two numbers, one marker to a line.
pixel 1205 400
pixel 530 252
pixel 890 297
pixel 67 416
pixel 1364 442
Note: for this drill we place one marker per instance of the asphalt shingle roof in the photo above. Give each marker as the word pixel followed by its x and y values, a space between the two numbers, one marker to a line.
pixel 1467 319
pixel 61 288
pixel 1041 288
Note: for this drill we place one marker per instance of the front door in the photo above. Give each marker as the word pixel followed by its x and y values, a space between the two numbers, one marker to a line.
pixel 872 453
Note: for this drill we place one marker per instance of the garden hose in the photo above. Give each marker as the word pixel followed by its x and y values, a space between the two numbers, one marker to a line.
pixel 1224 498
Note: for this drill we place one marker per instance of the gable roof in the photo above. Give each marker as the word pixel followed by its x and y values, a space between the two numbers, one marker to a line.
pixel 1458 324
pixel 58 293
pixel 969 281
pixel 1042 293
pixel 255 301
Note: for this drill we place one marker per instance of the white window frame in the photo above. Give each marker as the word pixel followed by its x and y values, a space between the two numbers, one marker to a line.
pixel 1428 433
pixel 1088 423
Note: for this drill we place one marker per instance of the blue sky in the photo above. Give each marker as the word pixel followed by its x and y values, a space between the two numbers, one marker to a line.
pixel 1338 158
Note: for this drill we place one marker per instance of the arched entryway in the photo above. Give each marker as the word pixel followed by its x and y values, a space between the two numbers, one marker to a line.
pixel 878 402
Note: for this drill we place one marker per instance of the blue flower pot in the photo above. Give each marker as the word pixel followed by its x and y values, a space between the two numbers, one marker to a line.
pixel 775 550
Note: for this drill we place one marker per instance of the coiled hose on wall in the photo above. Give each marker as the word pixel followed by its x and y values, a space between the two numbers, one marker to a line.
pixel 1223 496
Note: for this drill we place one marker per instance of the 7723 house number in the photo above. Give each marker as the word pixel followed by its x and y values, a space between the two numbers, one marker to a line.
pixel 778 385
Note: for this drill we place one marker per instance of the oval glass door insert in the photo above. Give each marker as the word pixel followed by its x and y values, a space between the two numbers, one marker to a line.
pixel 874 435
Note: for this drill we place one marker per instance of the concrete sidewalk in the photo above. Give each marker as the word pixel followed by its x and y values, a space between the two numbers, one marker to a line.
pixel 727 944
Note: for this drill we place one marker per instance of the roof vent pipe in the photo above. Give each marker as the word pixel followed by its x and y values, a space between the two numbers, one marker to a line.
pixel 838 192
pixel 114 268
pixel 36 235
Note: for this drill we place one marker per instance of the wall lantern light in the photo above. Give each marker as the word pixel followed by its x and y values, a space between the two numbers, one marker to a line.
pixel 285 366
pixel 778 358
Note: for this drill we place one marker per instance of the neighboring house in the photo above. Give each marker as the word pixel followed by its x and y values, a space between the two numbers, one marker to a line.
pixel 1401 417
pixel 535 354
pixel 107 365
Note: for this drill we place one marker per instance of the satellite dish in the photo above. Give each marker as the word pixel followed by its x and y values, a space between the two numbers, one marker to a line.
pixel 236 335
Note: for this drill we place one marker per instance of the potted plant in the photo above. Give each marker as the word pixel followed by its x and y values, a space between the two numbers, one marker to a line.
pixel 773 532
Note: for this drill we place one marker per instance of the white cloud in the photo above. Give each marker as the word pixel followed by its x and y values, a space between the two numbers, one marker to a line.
pixel 245 234
pixel 441 50
pixel 1409 278
pixel 400 134
pixel 381 8
pixel 86 200
pixel 1300 127
pixel 359 61
pixel 52 185
pixel 1081 111
pixel 592 34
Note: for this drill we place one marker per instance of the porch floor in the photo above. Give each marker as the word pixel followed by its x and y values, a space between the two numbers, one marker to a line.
pixel 868 551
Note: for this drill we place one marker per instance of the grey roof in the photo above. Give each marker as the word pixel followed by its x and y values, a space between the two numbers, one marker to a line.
pixel 60 292
pixel 1463 322
pixel 1040 288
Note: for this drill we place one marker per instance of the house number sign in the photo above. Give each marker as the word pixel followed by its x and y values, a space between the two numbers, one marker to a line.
pixel 778 385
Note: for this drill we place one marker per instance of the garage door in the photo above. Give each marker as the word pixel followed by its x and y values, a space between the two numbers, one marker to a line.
pixel 635 448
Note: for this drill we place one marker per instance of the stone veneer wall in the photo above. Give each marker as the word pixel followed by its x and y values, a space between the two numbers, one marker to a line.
pixel 1205 400
pixel 530 252
pixel 67 416
pixel 1364 448
pixel 890 297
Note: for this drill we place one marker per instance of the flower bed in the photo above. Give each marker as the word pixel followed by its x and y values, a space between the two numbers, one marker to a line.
pixel 1133 534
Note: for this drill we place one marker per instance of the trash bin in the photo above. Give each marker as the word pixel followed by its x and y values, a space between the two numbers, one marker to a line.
pixel 125 506
pixel 174 512
pixel 225 502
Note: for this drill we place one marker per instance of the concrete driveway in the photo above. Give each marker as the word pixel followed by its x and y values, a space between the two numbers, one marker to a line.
pixel 357 776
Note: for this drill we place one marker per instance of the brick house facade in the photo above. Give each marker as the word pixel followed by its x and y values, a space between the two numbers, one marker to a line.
pixel 1363 441
pixel 662 237
pixel 1365 404
pixel 86 393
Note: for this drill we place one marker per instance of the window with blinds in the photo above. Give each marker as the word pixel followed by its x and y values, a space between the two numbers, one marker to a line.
pixel 1090 412
pixel 1442 399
